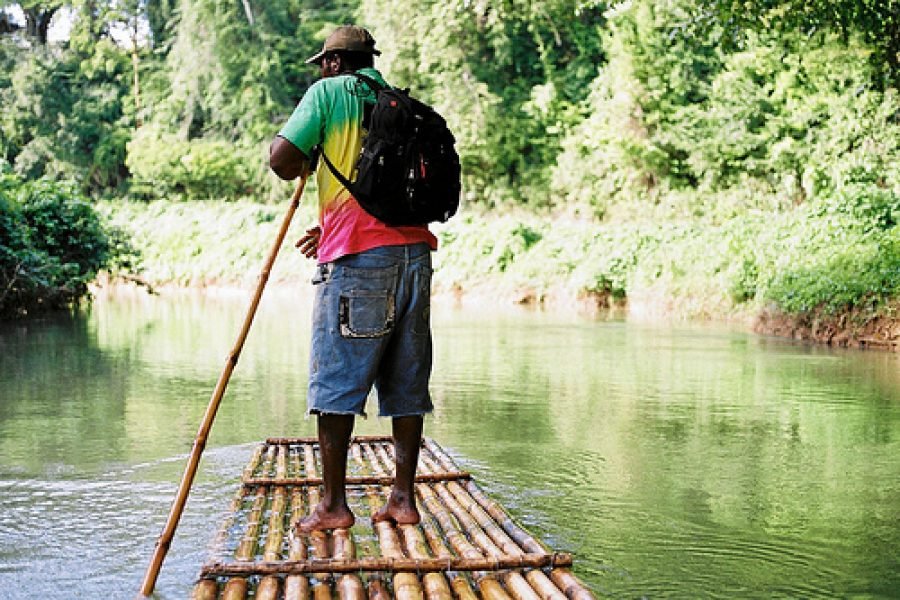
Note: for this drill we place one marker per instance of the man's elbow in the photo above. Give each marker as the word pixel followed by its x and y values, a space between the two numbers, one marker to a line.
pixel 285 160
pixel 281 167
pixel 283 171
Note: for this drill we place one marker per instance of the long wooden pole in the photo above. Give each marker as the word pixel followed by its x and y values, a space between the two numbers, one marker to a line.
pixel 184 488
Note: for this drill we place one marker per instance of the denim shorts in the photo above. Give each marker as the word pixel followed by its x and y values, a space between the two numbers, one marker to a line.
pixel 371 326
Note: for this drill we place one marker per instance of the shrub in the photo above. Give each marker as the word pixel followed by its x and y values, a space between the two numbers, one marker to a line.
pixel 164 165
pixel 53 244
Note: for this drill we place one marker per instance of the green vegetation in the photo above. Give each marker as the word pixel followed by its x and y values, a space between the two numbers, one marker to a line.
pixel 52 244
pixel 713 157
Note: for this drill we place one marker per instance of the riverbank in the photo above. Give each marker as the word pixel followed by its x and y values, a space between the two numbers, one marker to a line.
pixel 783 274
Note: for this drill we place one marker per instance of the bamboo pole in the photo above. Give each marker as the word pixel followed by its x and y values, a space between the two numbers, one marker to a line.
pixel 356 439
pixel 255 459
pixel 538 580
pixel 320 587
pixel 375 585
pixel 355 480
pixel 206 589
pixel 435 584
pixel 462 588
pixel 460 584
pixel 389 466
pixel 406 583
pixel 269 587
pixel 377 589
pixel 515 583
pixel 296 587
pixel 309 456
pixel 563 578
pixel 489 587
pixel 566 581
pixel 349 585
pixel 392 564
pixel 521 537
pixel 236 587
pixel 458 541
pixel 184 488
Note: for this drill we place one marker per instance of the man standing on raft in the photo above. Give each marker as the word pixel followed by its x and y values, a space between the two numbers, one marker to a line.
pixel 371 322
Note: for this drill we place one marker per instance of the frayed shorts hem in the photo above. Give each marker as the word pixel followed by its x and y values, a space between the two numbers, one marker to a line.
pixel 315 412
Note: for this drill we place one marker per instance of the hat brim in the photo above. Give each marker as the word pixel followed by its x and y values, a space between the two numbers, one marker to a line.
pixel 317 58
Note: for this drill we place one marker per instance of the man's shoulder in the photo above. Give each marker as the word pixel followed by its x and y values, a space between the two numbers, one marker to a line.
pixel 344 82
pixel 373 73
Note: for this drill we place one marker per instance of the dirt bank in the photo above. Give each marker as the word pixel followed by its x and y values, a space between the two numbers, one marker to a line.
pixel 854 329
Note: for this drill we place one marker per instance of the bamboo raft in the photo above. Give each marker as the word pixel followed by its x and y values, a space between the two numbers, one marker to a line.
pixel 466 547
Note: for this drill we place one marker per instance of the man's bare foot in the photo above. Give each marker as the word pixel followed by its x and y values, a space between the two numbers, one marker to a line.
pixel 322 519
pixel 398 513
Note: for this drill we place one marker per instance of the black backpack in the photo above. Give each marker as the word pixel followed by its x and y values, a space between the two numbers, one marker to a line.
pixel 408 172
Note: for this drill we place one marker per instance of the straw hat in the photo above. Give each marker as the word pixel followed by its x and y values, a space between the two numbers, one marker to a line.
pixel 349 38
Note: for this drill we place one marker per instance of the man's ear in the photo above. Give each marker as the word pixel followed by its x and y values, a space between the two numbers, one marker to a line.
pixel 333 65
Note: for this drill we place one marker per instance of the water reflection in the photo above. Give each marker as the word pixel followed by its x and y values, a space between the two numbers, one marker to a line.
pixel 673 461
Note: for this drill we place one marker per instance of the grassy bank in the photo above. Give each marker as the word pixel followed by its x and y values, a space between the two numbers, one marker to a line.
pixel 821 272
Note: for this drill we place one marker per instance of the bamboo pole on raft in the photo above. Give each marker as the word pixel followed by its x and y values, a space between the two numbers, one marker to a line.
pixel 205 589
pixel 296 587
pixel 545 588
pixel 488 585
pixel 349 585
pixel 375 586
pixel 514 581
pixel 462 588
pixel 435 584
pixel 268 588
pixel 564 579
pixel 459 583
pixel 236 587
pixel 187 479
pixel 208 589
pixel 320 587
pixel 406 585
pixel 515 584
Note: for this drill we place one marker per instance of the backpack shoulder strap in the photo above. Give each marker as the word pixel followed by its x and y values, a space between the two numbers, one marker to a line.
pixel 337 174
pixel 374 85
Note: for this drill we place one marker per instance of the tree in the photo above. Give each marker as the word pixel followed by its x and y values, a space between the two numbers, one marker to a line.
pixel 876 21
pixel 37 18
pixel 506 75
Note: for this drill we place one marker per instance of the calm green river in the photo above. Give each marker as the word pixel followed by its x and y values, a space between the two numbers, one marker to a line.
pixel 677 462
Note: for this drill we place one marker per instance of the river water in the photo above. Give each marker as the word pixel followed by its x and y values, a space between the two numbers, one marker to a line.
pixel 672 461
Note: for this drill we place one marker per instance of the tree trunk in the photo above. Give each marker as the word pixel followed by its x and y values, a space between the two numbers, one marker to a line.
pixel 37 22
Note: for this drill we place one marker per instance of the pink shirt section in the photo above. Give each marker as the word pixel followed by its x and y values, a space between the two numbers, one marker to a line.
pixel 348 229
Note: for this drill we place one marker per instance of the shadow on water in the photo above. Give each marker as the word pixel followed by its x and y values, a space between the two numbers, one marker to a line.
pixel 685 462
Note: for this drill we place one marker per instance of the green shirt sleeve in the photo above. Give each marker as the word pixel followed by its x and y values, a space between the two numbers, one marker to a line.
pixel 305 129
